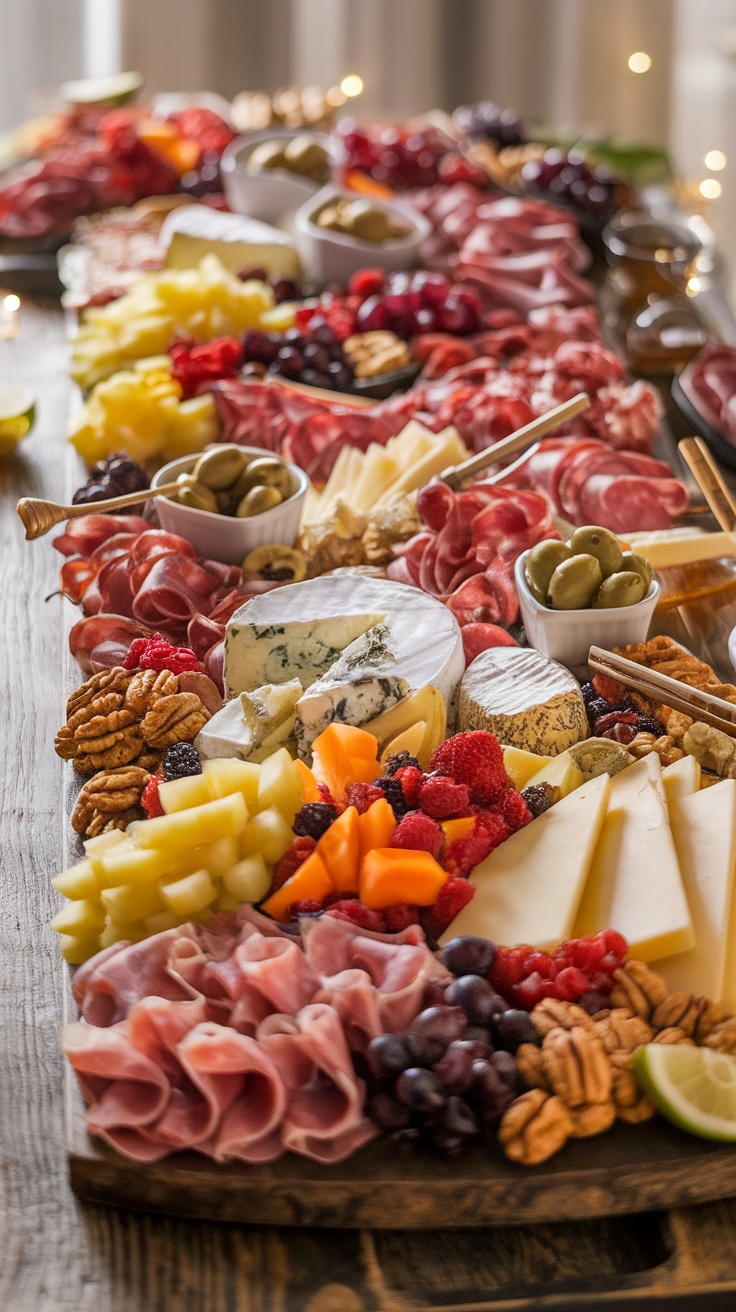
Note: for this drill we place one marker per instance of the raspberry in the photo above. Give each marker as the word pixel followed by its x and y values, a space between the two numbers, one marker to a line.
pixel 314 819
pixel 419 834
pixel 150 800
pixel 194 363
pixel 394 794
pixel 293 858
pixel 614 943
pixel 359 915
pixel 399 917
pixel 453 896
pixel 531 991
pixel 474 758
pixel 155 653
pixel 514 809
pixel 509 968
pixel 307 907
pixel 571 984
pixel 361 796
pixel 443 799
pixel 366 282
pixel 544 963
pixel 181 760
pixel 399 761
pixel 464 853
pixel 411 781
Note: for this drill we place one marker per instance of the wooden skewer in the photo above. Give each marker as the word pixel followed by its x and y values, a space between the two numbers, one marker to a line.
pixel 456 475
pixel 708 477
pixel 694 702
pixel 39 516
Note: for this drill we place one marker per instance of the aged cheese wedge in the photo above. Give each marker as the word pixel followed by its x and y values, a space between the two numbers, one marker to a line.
pixel 529 888
pixel 521 766
pixel 525 699
pixel 681 779
pixel 192 231
pixel 635 885
pixel 561 772
pixel 704 830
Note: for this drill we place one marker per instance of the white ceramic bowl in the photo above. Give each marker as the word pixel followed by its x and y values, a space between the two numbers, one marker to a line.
pixel 267 194
pixel 329 256
pixel 222 537
pixel 732 647
pixel 568 635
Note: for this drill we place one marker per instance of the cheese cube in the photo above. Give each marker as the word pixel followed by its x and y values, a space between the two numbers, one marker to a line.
pixel 521 766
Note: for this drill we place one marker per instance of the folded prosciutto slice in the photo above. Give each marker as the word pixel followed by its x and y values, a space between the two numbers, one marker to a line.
pixel 125 1090
pixel 243 1085
pixel 324 1113
pixel 109 984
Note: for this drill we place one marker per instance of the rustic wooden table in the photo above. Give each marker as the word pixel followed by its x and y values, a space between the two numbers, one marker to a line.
pixel 59 1256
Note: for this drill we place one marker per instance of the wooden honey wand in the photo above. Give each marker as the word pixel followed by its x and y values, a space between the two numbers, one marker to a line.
pixel 39 516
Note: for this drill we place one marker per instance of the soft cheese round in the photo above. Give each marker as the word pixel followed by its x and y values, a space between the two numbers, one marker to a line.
pixel 300 631
pixel 525 699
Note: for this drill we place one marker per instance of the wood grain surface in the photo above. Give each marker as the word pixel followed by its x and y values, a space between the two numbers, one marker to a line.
pixel 57 1255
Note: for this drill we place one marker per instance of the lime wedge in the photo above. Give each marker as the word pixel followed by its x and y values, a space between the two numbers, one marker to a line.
pixel 115 89
pixel 17 414
pixel 693 1087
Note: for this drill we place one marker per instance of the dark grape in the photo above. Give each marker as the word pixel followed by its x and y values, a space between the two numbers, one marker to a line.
pixel 506 1069
pixel 469 955
pixel 476 997
pixel 453 1125
pixel 455 1068
pixel 317 356
pixel 285 289
pixel 420 1090
pixel 512 1028
pixel 593 1002
pixel 433 994
pixel 443 1023
pixel 259 346
pixel 388 1112
pixel 479 1034
pixel 290 362
pixel 387 1056
pixel 490 1094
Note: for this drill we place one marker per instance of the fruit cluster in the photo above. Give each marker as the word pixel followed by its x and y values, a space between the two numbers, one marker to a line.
pixel 114 477
pixel 314 355
pixel 400 158
pixel 402 303
pixel 488 122
pixel 567 176
pixel 580 970
pixel 619 720
pixel 155 653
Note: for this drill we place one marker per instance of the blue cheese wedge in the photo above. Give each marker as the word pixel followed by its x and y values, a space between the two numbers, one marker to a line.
pixel 252 726
pixel 303 631
pixel 361 685
pixel 525 699
pixel 193 231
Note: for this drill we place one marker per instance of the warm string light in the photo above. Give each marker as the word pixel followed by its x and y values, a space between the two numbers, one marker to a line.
pixel 351 85
pixel 640 62
pixel 715 160
pixel 9 307
pixel 710 188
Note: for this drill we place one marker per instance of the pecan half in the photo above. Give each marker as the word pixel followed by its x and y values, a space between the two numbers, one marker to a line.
pixel 115 790
pixel 113 680
pixel 593 1119
pixel 673 1035
pixel 638 987
pixel 551 1013
pixel 102 823
pixel 146 687
pixel 109 751
pixel 621 1031
pixel 534 1127
pixel 723 1037
pixel 531 1066
pixel 174 719
pixel 631 1103
pixel 577 1066
pixel 679 1009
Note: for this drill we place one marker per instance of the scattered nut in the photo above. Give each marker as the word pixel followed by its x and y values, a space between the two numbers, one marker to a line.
pixel 147 686
pixel 593 1119
pixel 531 1067
pixel 552 1013
pixel 577 1067
pixel 621 1031
pixel 534 1127
pixel 174 719
pixel 638 987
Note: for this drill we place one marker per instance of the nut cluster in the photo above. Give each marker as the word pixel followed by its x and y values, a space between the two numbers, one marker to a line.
pixel 665 747
pixel 376 352
pixel 581 1079
pixel 120 717
pixel 109 800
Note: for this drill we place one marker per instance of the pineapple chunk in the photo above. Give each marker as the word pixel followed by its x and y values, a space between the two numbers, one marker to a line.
pixel 132 865
pixel 267 833
pixel 226 902
pixel 181 794
pixel 131 902
pixel 227 816
pixel 248 880
pixel 280 784
pixel 228 775
pixel 80 919
pixel 218 857
pixel 95 848
pixel 76 949
pixel 161 921
pixel 190 895
pixel 79 881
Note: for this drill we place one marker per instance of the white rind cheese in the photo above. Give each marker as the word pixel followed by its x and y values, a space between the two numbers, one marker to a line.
pixel 302 630
pixel 364 682
pixel 193 231
pixel 525 699
pixel 529 888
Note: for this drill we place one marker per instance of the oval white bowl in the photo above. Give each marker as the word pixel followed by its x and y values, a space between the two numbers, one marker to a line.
pixel 329 256
pixel 266 194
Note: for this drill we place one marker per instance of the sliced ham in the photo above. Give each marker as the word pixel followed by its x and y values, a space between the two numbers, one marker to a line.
pixel 243 1087
pixel 108 985
pixel 125 1090
pixel 83 535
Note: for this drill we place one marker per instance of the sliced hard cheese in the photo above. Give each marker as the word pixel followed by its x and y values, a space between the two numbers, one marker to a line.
pixel 561 773
pixel 521 766
pixel 426 706
pixel 529 888
pixel 634 884
pixel 525 699
pixel 189 233
pixel 704 830
pixel 681 779
pixel 681 546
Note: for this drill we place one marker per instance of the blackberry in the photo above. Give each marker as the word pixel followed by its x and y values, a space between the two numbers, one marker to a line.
pixel 181 760
pixel 540 798
pixel 399 761
pixel 394 794
pixel 314 819
pixel 647 724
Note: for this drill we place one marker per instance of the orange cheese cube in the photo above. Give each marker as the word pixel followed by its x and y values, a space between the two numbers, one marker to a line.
pixel 339 848
pixel 377 826
pixel 311 880
pixel 393 874
pixel 454 829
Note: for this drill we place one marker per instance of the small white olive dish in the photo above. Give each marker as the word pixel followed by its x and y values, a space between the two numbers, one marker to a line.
pixel 328 255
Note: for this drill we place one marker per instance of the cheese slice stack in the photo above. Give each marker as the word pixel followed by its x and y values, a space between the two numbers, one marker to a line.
pixel 528 889
pixel 704 830
pixel 634 884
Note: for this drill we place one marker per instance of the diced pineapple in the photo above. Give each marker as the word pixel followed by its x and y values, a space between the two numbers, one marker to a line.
pixel 190 895
pixel 79 881
pixel 80 919
pixel 248 880
pixel 95 847
pixel 219 856
pixel 192 828
pixel 76 950
pixel 267 833
pixel 228 775
pixel 280 784
pixel 132 865
pixel 226 902
pixel 161 921
pixel 113 933
pixel 180 794
pixel 131 902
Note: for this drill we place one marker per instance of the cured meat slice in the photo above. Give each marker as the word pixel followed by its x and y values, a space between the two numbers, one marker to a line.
pixel 175 589
pixel 81 536
pixel 107 986
pixel 156 1028
pixel 242 1083
pixel 353 997
pixel 627 503
pixel 324 1099
pixel 125 1089
pixel 276 968
pixel 101 641
pixel 480 637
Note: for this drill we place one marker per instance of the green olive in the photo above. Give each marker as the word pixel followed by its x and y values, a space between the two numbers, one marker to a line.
pixel 198 497
pixel 541 564
pixel 599 542
pixel 257 500
pixel 220 468
pixel 639 565
pixel 266 471
pixel 367 222
pixel 306 156
pixel 227 502
pixel 268 155
pixel 624 588
pixel 574 583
